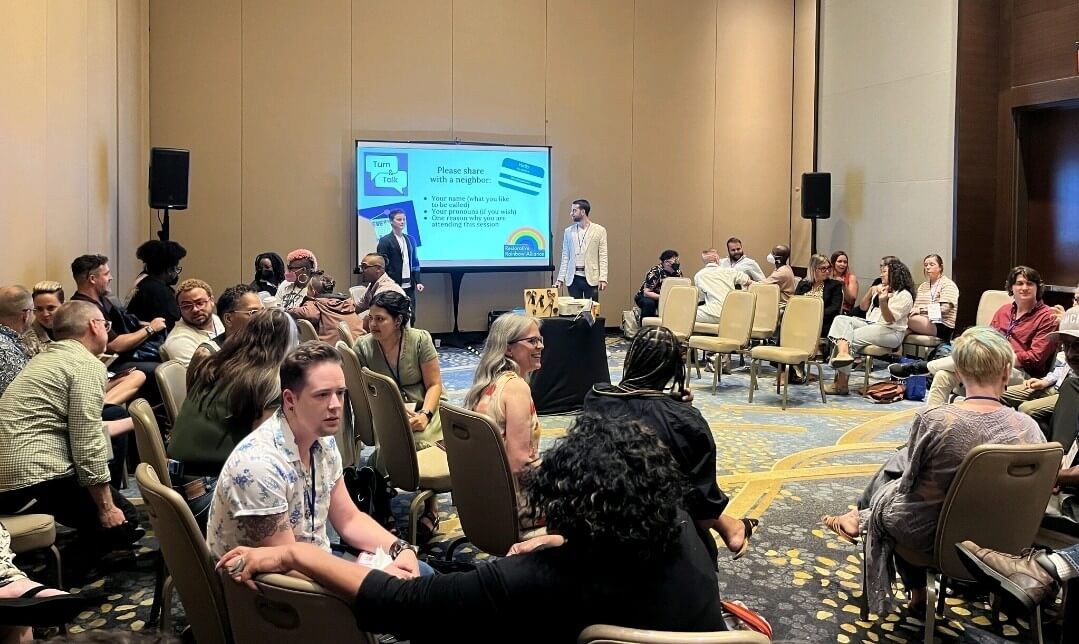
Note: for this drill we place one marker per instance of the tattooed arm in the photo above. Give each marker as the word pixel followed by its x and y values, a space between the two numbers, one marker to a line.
pixel 266 530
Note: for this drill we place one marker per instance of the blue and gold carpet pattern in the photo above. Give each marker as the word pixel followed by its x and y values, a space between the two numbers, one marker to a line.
pixel 786 468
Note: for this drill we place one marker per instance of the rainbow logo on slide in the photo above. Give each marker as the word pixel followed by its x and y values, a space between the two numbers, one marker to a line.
pixel 525 242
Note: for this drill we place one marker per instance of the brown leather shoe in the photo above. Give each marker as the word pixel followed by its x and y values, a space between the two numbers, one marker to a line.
pixel 1030 579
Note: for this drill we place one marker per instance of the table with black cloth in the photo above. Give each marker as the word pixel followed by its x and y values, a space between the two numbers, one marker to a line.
pixel 574 359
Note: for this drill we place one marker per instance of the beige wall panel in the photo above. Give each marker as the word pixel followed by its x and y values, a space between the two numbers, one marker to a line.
pixel 23 192
pixel 804 123
pixel 67 151
pixel 754 66
pixel 133 134
pixel 674 88
pixel 101 128
pixel 590 128
pixel 497 98
pixel 195 104
pixel 406 96
pixel 296 115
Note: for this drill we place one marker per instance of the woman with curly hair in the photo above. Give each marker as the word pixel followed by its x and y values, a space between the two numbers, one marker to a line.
pixel 228 395
pixel 269 273
pixel 154 296
pixel 630 557
pixel 653 364
pixel 885 323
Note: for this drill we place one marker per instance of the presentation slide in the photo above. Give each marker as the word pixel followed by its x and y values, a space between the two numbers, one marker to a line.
pixel 467 206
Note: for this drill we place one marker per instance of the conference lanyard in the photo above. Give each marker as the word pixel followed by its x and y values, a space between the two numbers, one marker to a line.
pixel 310 492
pixel 396 373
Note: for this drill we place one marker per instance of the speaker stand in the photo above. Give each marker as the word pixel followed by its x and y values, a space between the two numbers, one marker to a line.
pixel 813 238
pixel 163 234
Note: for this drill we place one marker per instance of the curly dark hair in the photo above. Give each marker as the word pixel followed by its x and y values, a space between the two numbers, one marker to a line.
pixel 159 256
pixel 276 262
pixel 398 306
pixel 899 277
pixel 611 489
pixel 653 361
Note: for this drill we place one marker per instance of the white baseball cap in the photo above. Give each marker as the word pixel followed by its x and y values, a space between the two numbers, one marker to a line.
pixel 1069 324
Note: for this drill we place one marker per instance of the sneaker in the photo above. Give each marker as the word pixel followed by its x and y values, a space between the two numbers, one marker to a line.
pixel 916 368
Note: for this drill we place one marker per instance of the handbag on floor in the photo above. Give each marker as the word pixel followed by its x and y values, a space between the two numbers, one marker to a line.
pixel 885 392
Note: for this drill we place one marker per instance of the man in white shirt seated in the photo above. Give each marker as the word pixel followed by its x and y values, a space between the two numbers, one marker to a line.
pixel 715 281
pixel 198 322
pixel 736 259
pixel 284 481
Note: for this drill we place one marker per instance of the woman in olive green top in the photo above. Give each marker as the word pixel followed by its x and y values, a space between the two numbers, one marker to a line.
pixel 407 355
pixel 228 395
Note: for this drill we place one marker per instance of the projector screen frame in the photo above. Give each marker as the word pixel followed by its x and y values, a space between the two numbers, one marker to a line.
pixel 549 267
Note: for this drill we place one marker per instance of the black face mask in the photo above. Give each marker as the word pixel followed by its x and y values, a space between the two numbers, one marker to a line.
pixel 174 278
pixel 266 274
pixel 675 266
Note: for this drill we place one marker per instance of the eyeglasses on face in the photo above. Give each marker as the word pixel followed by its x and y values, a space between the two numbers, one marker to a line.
pixel 245 311
pixel 824 268
pixel 107 323
pixel 194 304
pixel 533 340
pixel 299 269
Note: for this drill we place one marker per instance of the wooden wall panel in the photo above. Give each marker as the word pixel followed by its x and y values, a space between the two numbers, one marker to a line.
pixel 754 93
pixel 101 128
pixel 195 103
pixel 133 132
pixel 1043 35
pixel 674 90
pixel 590 127
pixel 23 194
pixel 295 132
pixel 498 97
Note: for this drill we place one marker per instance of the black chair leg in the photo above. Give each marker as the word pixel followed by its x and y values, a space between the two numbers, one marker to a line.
pixel 159 586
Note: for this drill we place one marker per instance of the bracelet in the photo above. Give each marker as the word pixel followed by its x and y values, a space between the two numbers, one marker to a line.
pixel 400 546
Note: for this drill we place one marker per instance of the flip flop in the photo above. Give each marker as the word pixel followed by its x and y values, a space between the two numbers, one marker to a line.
pixel 832 523
pixel 31 610
pixel 749 524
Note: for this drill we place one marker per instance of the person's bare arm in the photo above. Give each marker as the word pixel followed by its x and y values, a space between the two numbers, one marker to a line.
pixel 342 578
pixel 517 407
pixel 432 380
pixel 266 529
pixel 128 341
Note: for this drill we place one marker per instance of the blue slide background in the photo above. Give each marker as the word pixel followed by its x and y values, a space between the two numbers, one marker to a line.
pixel 466 206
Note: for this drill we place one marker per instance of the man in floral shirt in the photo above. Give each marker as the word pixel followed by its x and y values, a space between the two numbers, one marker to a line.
pixel 648 297
pixel 16 312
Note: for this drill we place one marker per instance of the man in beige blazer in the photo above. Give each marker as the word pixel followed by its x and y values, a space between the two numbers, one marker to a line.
pixel 584 255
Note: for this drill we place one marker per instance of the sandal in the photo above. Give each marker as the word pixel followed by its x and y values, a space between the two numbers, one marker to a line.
pixel 30 610
pixel 832 523
pixel 426 526
pixel 749 524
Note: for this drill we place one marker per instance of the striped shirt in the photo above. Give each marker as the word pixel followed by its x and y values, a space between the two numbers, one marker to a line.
pixel 50 419
pixel 945 290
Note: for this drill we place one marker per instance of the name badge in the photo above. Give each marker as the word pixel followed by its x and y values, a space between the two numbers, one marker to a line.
pixel 935 313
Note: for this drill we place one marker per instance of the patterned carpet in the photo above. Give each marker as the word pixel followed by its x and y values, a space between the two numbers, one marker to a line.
pixel 786 468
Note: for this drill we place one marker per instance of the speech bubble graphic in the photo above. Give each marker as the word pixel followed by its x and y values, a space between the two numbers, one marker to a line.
pixel 377 164
pixel 393 180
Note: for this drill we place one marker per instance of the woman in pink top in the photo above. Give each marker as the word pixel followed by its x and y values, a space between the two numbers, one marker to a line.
pixel 500 388
pixel 841 272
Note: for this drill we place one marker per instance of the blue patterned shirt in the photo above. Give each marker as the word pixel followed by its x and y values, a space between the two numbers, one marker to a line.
pixel 13 356
pixel 264 476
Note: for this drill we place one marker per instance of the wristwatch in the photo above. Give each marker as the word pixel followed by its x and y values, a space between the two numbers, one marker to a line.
pixel 400 546
pixel 426 412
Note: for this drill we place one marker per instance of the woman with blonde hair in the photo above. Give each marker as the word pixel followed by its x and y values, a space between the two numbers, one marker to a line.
pixel 500 387
pixel 902 503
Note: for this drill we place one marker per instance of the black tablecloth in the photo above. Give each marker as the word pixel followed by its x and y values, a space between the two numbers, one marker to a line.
pixel 574 359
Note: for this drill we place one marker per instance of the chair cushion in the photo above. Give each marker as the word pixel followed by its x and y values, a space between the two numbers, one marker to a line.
pixel 649 321
pixel 709 343
pixel 30 531
pixel 706 328
pixel 876 351
pixel 434 469
pixel 922 340
pixel 762 334
pixel 779 354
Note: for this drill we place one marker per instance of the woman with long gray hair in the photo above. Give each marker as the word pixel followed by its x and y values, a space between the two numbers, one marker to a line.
pixel 500 387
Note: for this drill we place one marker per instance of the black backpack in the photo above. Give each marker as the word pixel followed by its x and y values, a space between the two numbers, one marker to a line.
pixel 371 492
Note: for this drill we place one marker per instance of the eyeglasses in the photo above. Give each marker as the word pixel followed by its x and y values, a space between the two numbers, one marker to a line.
pixel 194 304
pixel 245 311
pixel 107 323
pixel 299 269
pixel 532 340
pixel 823 269
pixel 367 266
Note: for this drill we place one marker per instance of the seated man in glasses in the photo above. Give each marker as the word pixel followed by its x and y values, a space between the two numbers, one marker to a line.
pixel 53 445
pixel 197 324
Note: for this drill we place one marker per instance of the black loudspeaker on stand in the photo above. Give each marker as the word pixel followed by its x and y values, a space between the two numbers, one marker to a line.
pixel 169 183
pixel 816 199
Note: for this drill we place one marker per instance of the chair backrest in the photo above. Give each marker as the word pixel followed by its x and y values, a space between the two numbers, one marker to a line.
pixel 666 286
pixel 992 481
pixel 357 395
pixel 396 447
pixel 148 439
pixel 766 315
pixel 484 490
pixel 736 318
pixel 801 323
pixel 163 353
pixel 307 330
pixel 357 293
pixel 187 557
pixel 346 333
pixel 288 609
pixel 989 303
pixel 172 382
pixel 680 310
pixel 605 634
